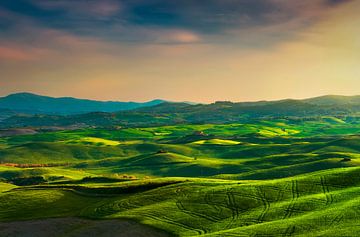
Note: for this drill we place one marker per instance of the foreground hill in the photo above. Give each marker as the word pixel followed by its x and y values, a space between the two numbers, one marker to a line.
pixel 345 108
pixel 36 104
pixel 316 204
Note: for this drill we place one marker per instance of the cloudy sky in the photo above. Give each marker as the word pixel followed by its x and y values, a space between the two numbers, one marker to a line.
pixel 193 50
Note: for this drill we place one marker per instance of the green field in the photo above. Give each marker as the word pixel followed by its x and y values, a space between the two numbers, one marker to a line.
pixel 265 178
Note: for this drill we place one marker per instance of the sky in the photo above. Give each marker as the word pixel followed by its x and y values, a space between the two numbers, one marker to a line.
pixel 180 50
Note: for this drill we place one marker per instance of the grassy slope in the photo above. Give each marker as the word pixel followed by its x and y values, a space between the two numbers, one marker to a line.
pixel 221 203
pixel 318 203
pixel 263 150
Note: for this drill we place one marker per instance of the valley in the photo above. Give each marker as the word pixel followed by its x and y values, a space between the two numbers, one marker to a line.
pixel 266 177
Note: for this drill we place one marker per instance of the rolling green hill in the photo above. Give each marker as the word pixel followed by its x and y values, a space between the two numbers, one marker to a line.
pixel 274 177
pixel 320 204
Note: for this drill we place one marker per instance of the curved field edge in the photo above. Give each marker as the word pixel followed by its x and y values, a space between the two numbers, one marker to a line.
pixel 313 204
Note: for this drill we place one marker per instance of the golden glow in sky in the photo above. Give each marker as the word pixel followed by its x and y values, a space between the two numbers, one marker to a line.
pixel 315 53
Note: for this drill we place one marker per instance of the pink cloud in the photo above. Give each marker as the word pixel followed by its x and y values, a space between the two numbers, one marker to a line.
pixel 166 36
pixel 64 40
pixel 48 45
pixel 181 37
pixel 16 52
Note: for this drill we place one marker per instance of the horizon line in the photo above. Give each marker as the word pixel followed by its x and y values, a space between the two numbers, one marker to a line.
pixel 171 101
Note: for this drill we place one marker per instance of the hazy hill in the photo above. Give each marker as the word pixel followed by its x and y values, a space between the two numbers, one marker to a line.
pixel 219 112
pixel 37 104
pixel 334 100
pixel 6 113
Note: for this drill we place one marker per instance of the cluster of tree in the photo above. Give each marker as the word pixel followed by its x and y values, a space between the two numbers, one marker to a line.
pixel 125 176
pixel 25 181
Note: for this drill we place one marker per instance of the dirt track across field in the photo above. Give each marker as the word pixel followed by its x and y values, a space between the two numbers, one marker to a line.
pixel 75 227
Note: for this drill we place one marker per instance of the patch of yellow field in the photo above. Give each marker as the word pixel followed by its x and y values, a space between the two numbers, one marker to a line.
pixel 333 120
pixel 272 132
pixel 100 140
pixel 5 187
pixel 216 142
pixel 162 133
pixel 103 142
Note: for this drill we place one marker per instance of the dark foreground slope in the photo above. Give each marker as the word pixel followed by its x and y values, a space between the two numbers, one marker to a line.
pixel 75 227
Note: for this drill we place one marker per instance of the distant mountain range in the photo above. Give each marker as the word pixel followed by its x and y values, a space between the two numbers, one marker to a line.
pixel 28 103
pixel 167 113
pixel 334 100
